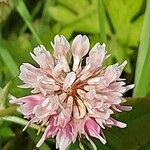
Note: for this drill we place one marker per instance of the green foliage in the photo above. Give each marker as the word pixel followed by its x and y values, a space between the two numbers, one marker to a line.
pixel 24 13
pixel 3 95
pixel 8 60
pixel 142 79
pixel 5 9
pixel 6 132
pixel 36 138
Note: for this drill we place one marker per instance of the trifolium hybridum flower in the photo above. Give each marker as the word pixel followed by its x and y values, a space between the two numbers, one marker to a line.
pixel 70 99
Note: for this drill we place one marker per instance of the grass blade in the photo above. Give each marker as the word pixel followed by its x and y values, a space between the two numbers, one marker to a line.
pixel 8 60
pixel 24 13
pixel 102 20
pixel 142 79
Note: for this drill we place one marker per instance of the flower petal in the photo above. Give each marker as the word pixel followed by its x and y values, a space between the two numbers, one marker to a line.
pixel 80 47
pixel 69 80
pixel 64 137
pixel 50 130
pixel 96 56
pixel 93 129
pixel 61 46
pixel 43 57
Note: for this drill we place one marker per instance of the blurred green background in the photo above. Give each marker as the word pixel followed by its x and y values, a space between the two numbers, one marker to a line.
pixel 124 25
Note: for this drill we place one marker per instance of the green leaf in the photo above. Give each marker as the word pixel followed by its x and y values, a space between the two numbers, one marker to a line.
pixel 120 52
pixel 36 138
pixel 102 20
pixel 5 9
pixel 79 7
pixel 135 31
pixel 8 60
pixel 16 48
pixel 61 14
pixel 75 16
pixel 74 146
pixel 3 95
pixel 142 79
pixel 124 29
pixel 6 132
pixel 122 11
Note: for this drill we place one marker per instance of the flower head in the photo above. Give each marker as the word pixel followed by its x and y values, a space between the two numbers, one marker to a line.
pixel 70 99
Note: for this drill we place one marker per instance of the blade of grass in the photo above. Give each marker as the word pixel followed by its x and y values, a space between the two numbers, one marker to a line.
pixel 33 13
pixel 24 13
pixel 101 19
pixel 142 79
pixel 8 60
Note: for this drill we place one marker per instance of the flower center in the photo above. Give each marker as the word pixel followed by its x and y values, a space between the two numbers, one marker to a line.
pixel 78 102
pixel 71 92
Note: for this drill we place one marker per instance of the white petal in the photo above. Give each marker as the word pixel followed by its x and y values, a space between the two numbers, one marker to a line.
pixel 80 47
pixel 97 55
pixel 61 46
pixel 57 70
pixel 69 80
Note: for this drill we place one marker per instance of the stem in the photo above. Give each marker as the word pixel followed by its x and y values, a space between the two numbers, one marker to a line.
pixel 22 122
pixel 7 111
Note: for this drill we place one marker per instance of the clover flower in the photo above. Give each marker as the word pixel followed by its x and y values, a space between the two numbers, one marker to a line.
pixel 69 98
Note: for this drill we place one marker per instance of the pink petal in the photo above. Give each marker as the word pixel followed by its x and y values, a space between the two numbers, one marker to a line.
pixel 57 71
pixel 91 94
pixel 121 67
pixel 129 87
pixel 80 47
pixel 41 112
pixel 28 103
pixel 97 55
pixel 69 80
pixel 61 47
pixel 35 99
pixel 43 57
pixel 93 129
pixel 118 123
pixel 27 109
pixel 111 74
pixel 64 137
pixel 50 130
pixel 30 75
pixel 124 108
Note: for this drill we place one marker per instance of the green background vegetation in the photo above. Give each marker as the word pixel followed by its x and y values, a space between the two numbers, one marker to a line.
pixel 124 25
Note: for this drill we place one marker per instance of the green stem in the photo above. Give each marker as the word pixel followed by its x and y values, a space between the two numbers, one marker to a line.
pixel 24 13
pixel 7 111
pixel 22 122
